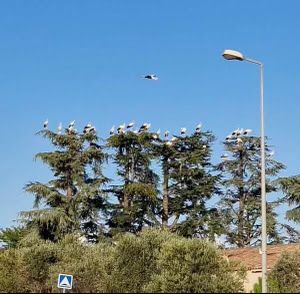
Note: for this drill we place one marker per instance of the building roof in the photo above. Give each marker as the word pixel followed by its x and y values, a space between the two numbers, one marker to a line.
pixel 251 256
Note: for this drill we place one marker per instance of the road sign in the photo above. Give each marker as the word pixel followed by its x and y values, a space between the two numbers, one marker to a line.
pixel 65 281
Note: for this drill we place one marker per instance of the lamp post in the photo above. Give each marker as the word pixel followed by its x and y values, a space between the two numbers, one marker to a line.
pixel 235 55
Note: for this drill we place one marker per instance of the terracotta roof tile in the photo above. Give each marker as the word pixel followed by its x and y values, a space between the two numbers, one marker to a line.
pixel 251 256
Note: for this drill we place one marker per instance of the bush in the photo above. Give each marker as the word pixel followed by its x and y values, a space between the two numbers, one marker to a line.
pixel 135 259
pixel 194 266
pixel 152 261
pixel 285 276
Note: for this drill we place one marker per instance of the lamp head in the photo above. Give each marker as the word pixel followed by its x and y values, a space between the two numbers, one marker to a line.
pixel 233 55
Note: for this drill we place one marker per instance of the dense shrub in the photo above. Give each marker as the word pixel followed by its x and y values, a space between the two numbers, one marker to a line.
pixel 285 276
pixel 154 260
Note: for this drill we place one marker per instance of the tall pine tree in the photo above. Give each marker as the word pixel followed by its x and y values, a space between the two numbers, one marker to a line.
pixel 241 200
pixel 73 200
pixel 187 184
pixel 136 193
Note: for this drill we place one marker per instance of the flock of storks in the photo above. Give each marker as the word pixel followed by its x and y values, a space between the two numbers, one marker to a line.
pixel 235 136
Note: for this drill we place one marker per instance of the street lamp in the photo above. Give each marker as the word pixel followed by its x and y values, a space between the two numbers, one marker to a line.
pixel 235 55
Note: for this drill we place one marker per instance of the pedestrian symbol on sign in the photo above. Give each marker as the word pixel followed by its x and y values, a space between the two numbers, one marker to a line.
pixel 65 281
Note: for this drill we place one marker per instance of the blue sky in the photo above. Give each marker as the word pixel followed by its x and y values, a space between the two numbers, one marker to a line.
pixel 83 60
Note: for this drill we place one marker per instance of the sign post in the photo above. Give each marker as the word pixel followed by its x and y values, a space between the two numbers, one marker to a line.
pixel 65 282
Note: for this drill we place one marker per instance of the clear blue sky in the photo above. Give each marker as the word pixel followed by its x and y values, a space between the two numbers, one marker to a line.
pixel 82 60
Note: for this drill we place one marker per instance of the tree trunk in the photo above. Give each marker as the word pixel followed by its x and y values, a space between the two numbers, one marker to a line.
pixel 165 211
pixel 242 199
pixel 69 192
pixel 125 201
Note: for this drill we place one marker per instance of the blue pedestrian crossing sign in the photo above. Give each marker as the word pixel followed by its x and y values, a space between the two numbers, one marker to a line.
pixel 65 281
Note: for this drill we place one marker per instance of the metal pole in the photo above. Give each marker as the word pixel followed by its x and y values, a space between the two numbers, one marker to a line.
pixel 263 187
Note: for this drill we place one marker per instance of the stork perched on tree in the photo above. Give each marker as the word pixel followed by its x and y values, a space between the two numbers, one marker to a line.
pixel 87 128
pixel 198 128
pixel 145 127
pixel 121 129
pixel 72 130
pixel 166 134
pixel 156 135
pixel 112 130
pixel 45 125
pixel 247 132
pixel 229 137
pixel 72 124
pixel 183 131
pixel 59 129
pixel 130 125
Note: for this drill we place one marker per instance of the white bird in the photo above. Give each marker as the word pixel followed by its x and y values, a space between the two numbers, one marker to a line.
pixel 183 131
pixel 198 128
pixel 156 135
pixel 45 124
pixel 59 129
pixel 92 129
pixel 234 133
pixel 121 128
pixel 239 132
pixel 72 123
pixel 166 134
pixel 130 125
pixel 112 130
pixel 87 128
pixel 145 127
pixel 247 132
pixel 169 143
pixel 204 146
pixel 72 130
pixel 229 137
pixel 271 153
pixel 239 140
pixel 152 77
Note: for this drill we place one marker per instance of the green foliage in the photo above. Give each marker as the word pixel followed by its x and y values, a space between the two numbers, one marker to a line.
pixel 136 193
pixel 188 183
pixel 135 260
pixel 241 200
pixel 153 260
pixel 11 237
pixel 194 266
pixel 26 269
pixel 285 276
pixel 291 188
pixel 72 200
pixel 90 266
pixel 257 288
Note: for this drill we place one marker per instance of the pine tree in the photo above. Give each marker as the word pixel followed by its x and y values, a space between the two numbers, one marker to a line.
pixel 73 200
pixel 241 200
pixel 188 183
pixel 136 193
pixel 291 187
